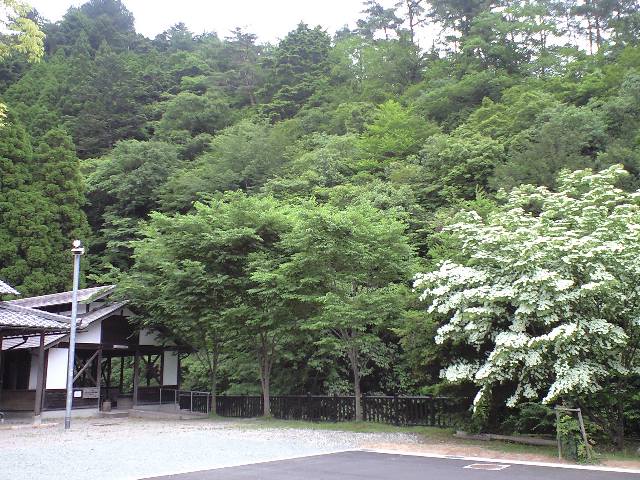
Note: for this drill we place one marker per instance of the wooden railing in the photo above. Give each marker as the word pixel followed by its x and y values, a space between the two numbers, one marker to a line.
pixel 397 410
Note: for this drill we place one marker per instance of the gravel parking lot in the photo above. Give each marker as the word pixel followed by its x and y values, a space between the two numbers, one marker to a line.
pixel 133 449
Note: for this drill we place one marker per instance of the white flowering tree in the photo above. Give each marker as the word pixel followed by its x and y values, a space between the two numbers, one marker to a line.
pixel 548 294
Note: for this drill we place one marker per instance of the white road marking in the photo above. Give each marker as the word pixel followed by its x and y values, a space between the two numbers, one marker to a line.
pixel 487 466
pixel 502 460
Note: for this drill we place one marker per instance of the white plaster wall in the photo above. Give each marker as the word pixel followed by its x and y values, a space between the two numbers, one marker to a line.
pixel 170 370
pixel 92 335
pixel 57 368
pixel 33 371
pixel 149 337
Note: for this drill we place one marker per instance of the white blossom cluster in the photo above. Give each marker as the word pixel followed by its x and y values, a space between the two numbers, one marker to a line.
pixel 551 283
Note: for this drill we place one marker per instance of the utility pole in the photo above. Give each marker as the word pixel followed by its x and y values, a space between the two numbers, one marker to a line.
pixel 78 251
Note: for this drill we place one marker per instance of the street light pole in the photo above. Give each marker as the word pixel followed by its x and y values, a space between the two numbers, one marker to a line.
pixel 77 251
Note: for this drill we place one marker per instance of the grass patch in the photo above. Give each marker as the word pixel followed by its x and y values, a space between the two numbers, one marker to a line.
pixel 357 427
pixel 428 435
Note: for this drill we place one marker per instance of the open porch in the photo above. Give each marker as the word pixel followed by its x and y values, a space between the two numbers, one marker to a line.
pixel 115 362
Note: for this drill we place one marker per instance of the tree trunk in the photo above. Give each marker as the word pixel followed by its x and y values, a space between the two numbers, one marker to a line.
pixel 266 399
pixel 353 359
pixel 358 395
pixel 619 426
pixel 214 382
pixel 265 359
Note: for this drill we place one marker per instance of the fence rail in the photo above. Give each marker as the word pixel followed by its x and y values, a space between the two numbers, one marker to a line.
pixel 195 402
pixel 397 410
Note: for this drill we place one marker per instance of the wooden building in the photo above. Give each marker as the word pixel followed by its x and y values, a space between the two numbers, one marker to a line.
pixel 114 360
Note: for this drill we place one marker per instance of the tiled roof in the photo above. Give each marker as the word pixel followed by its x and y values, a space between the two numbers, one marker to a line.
pixel 6 288
pixel 85 295
pixel 17 317
pixel 20 318
pixel 88 318
pixel 18 343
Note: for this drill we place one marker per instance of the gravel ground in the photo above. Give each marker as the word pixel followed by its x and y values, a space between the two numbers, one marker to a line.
pixel 134 449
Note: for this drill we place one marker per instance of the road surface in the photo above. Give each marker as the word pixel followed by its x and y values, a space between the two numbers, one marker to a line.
pixel 362 465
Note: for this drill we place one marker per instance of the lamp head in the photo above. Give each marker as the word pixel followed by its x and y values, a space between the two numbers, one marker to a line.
pixel 77 248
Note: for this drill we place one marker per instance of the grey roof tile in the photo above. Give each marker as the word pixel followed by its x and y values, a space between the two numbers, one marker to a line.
pixel 18 317
pixel 8 289
pixel 85 295
pixel 88 318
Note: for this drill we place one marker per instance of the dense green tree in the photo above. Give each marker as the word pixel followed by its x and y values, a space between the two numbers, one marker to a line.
pixel 114 209
pixel 568 138
pixel 243 156
pixel 101 21
pixel 20 34
pixel 187 115
pixel 451 100
pixel 244 72
pixel 41 196
pixel 394 132
pixel 458 15
pixel 519 108
pixel 214 270
pixel 455 167
pixel 351 265
pixel 300 64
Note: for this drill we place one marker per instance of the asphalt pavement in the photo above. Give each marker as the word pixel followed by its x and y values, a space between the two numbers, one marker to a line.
pixel 360 465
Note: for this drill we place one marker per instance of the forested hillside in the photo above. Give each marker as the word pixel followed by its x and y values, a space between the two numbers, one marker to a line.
pixel 271 204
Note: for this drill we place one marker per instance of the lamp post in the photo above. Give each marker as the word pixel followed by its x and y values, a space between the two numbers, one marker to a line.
pixel 77 251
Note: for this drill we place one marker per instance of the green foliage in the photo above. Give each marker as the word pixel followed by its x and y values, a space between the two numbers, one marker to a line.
pixel 572 443
pixel 456 167
pixel 20 34
pixel 568 138
pixel 350 266
pixel 518 108
pixel 450 101
pixel 243 156
pixel 41 196
pixel 299 63
pixel 328 154
pixel 132 166
pixel 395 132
pixel 188 114
pixel 203 265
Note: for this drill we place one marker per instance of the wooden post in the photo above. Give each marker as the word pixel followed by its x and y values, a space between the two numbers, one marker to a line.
pixel 161 369
pixel 396 410
pixel 99 377
pixel 40 380
pixel 179 372
pixel 584 434
pixel 109 366
pixel 148 369
pixel 558 434
pixel 136 377
pixel 121 385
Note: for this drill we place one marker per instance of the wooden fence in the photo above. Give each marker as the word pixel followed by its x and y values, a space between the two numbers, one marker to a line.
pixel 397 410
